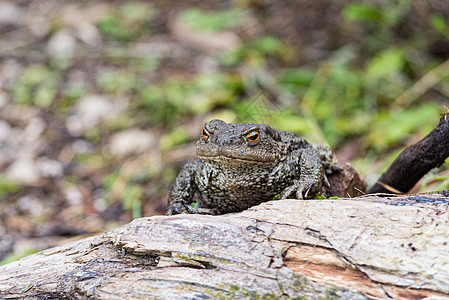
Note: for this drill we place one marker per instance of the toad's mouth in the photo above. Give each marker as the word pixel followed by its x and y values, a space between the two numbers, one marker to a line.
pixel 230 159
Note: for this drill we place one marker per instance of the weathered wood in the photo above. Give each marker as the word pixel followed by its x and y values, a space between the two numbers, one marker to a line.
pixel 345 183
pixel 416 161
pixel 350 248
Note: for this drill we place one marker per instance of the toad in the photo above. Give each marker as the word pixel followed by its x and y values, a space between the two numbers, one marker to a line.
pixel 243 165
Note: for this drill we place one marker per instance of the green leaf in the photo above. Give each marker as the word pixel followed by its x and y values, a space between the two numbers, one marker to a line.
pixel 109 180
pixel 131 199
pixel 115 82
pixel 177 137
pixel 440 24
pixel 13 257
pixel 290 123
pixel 268 44
pixel 296 76
pixel 7 186
pixel 127 23
pixel 390 128
pixel 384 64
pixel 37 86
pixel 362 12
pixel 210 21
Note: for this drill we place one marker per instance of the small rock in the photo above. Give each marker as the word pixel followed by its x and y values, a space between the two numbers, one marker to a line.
pixel 38 26
pixel 9 13
pixel 158 48
pixel 23 170
pixel 91 110
pixel 72 14
pixel 73 195
pixel 5 131
pixel 34 130
pixel 131 141
pixel 100 204
pixel 49 167
pixel 18 114
pixel 220 40
pixel 31 204
pixel 62 44
pixel 81 147
pixel 10 70
pixel 3 99
pixel 88 33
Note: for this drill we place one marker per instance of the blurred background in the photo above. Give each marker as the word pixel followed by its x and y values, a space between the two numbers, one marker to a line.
pixel 101 102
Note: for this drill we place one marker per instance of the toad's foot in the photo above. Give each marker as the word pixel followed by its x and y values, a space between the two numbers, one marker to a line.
pixel 302 187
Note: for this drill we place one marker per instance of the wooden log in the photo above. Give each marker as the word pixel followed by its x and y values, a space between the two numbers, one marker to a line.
pixel 416 161
pixel 359 248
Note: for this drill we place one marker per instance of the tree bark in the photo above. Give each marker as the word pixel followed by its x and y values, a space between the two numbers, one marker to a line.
pixel 357 248
pixel 416 160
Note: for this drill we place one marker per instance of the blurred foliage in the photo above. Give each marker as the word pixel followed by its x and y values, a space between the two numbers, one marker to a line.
pixel 378 19
pixel 440 24
pixel 211 21
pixel 442 182
pixel 126 187
pixel 129 22
pixel 165 102
pixel 256 52
pixel 119 56
pixel 131 199
pixel 7 186
pixel 377 15
pixel 117 81
pixel 176 137
pixel 383 135
pixel 13 257
pixel 37 86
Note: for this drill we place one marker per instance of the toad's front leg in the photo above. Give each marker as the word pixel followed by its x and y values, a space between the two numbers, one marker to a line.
pixel 311 176
pixel 181 195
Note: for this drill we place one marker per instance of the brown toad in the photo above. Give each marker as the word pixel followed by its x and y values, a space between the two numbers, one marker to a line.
pixel 244 165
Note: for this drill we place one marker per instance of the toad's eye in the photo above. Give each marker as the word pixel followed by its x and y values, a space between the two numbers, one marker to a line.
pixel 253 138
pixel 205 134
